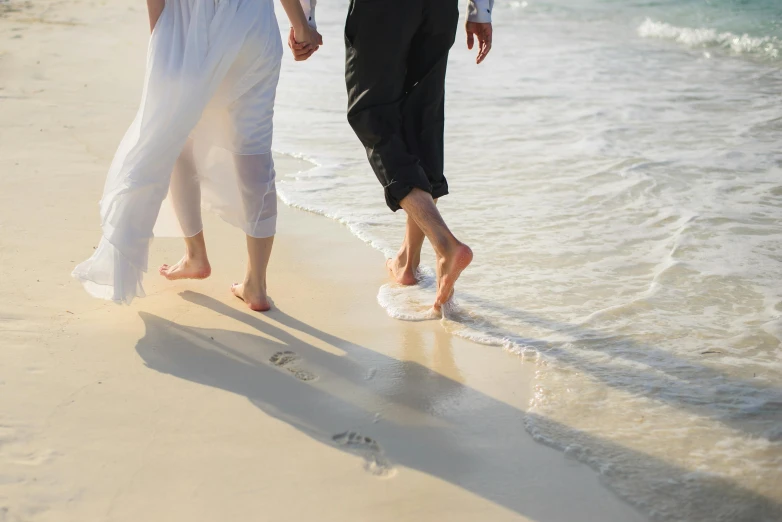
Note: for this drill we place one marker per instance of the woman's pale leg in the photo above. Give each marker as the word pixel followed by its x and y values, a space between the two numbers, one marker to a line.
pixel 186 198
pixel 253 290
pixel 256 179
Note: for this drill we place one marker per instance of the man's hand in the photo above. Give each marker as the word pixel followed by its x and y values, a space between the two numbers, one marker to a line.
pixel 483 33
pixel 304 42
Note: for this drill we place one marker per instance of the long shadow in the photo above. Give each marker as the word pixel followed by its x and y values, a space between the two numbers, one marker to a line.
pixel 436 436
pixel 749 406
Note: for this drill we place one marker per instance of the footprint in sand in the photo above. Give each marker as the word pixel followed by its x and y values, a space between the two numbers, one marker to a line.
pixel 289 360
pixel 374 460
pixel 283 358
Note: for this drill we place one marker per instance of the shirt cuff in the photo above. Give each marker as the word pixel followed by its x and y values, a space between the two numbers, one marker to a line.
pixel 480 11
pixel 309 11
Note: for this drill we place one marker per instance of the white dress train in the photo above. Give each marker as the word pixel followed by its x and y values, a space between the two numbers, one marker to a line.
pixel 205 117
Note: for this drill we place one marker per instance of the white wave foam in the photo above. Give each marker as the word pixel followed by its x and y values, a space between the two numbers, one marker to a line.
pixel 706 37
pixel 413 303
pixel 299 156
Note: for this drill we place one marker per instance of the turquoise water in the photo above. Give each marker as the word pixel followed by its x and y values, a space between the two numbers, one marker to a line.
pixel 616 168
pixel 748 27
pixel 757 18
pixel 754 17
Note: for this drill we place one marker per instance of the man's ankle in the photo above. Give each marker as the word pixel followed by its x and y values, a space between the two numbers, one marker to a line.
pixel 408 256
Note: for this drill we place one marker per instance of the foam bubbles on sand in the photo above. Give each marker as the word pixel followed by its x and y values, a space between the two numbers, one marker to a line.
pixel 411 303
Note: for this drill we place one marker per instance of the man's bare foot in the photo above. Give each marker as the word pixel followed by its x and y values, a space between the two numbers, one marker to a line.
pixel 449 268
pixel 253 294
pixel 402 272
pixel 187 268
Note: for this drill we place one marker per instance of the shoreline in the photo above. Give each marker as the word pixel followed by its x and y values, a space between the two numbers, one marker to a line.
pixel 178 407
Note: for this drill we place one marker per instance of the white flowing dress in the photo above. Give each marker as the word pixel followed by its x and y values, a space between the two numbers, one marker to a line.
pixel 206 116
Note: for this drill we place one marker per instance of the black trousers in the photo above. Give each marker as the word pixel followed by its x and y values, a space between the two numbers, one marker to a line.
pixel 397 52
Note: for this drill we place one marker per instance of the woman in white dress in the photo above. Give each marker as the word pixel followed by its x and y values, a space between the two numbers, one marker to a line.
pixel 201 138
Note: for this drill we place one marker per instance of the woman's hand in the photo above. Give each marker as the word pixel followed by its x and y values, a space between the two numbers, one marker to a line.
pixel 304 42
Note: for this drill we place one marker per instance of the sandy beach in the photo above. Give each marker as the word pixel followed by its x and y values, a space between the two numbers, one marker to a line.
pixel 186 406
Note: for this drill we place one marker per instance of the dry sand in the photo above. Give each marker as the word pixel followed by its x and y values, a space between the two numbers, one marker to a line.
pixel 172 409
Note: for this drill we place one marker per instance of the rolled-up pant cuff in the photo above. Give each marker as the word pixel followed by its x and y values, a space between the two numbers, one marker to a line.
pixel 398 191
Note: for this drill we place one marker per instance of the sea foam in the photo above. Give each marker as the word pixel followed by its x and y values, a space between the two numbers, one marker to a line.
pixel 765 46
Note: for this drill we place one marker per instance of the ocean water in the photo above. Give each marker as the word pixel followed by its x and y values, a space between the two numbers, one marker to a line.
pixel 616 165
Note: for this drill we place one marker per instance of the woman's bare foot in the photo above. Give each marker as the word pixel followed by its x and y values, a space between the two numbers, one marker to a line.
pixel 402 272
pixel 449 268
pixel 253 294
pixel 187 268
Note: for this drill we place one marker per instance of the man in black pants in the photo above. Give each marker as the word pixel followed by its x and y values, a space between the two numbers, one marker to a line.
pixel 397 52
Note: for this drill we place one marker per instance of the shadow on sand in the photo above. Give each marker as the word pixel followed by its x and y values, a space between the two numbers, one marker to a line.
pixel 433 432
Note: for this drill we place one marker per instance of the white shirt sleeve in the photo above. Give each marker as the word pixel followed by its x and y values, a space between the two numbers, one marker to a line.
pixel 309 11
pixel 479 11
